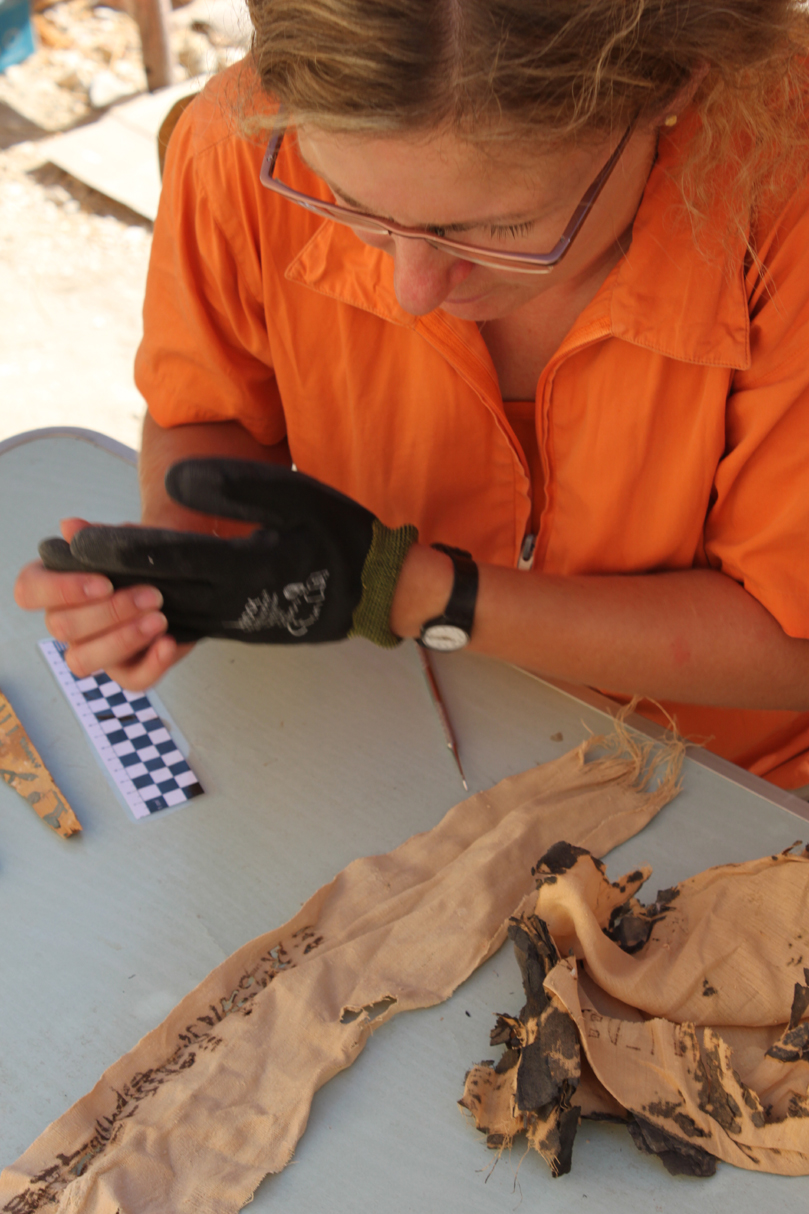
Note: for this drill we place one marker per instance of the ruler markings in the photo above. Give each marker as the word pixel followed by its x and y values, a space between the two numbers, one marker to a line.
pixel 134 745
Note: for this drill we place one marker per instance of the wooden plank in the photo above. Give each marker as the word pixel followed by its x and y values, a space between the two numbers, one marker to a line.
pixel 118 154
pixel 152 17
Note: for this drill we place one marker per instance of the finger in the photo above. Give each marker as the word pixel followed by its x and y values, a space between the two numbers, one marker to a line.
pixel 55 555
pixel 117 648
pixel 77 624
pixel 38 589
pixel 149 666
pixel 146 553
pixel 244 489
pixel 69 527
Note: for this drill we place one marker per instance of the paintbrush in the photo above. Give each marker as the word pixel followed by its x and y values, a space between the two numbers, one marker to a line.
pixel 446 724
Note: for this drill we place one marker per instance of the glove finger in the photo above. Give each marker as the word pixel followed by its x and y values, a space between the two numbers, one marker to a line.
pixel 186 568
pixel 55 555
pixel 147 553
pixel 269 494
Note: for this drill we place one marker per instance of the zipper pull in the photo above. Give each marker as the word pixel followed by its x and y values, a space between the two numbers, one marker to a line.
pixel 527 553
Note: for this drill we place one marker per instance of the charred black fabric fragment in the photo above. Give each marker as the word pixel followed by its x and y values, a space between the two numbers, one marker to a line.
pixel 800 1001
pixel 546 1036
pixel 631 924
pixel 552 1131
pixel 714 1098
pixel 549 1077
pixel 797 1107
pixel 664 900
pixel 628 929
pixel 543 1044
pixel 560 858
pixel 535 1085
pixel 548 1062
pixel 536 957
pixel 678 1156
pixel 793 1046
pixel 674 1111
pixel 508 1030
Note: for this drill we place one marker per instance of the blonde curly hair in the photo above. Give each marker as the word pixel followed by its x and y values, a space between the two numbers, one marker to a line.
pixel 555 70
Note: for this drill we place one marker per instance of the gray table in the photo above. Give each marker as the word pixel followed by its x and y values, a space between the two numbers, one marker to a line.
pixel 311 757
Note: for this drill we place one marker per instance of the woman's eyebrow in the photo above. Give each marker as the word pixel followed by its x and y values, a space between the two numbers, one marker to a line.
pixel 495 221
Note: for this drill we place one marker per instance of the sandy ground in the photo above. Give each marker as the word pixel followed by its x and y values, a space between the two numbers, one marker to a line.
pixel 72 273
pixel 72 262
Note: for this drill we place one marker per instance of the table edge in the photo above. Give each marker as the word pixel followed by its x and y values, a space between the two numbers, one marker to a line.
pixel 94 437
pixel 723 767
pixel 697 754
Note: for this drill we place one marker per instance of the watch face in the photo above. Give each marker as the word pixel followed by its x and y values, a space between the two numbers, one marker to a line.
pixel 444 637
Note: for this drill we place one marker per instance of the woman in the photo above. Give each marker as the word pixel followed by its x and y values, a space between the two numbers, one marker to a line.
pixel 632 425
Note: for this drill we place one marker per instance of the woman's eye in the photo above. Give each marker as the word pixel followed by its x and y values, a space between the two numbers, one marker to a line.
pixel 511 231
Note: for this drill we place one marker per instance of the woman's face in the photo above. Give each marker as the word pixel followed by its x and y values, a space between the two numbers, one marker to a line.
pixel 513 197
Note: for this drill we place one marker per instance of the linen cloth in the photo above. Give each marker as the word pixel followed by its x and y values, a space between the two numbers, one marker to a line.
pixel 688 1019
pixel 218 1095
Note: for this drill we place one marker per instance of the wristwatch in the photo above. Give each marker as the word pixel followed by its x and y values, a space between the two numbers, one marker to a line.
pixel 453 629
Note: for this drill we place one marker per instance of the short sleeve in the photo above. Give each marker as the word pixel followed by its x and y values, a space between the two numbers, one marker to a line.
pixel 206 353
pixel 758 527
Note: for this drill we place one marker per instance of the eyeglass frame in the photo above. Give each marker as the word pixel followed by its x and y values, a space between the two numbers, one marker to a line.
pixel 521 263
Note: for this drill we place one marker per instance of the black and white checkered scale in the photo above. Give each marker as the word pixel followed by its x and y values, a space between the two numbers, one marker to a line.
pixel 141 742
pixel 129 733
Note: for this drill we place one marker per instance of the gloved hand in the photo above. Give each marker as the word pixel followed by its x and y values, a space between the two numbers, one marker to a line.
pixel 320 568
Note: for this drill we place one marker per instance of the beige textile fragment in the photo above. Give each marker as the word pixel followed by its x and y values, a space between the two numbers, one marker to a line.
pixel 23 769
pixel 692 1015
pixel 217 1096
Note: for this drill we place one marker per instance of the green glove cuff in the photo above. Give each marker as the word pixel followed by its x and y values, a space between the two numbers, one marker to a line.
pixel 380 573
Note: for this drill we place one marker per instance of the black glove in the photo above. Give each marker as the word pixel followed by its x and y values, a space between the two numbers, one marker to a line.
pixel 321 567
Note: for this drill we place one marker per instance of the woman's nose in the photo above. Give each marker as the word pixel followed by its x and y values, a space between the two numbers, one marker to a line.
pixel 423 276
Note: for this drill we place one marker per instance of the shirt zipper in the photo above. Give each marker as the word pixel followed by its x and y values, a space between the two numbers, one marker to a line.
pixel 527 552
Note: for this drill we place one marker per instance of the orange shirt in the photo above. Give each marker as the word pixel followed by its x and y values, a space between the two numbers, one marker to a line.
pixel 672 424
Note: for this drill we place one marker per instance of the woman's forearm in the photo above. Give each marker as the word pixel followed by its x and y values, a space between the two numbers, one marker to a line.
pixel 694 636
pixel 161 448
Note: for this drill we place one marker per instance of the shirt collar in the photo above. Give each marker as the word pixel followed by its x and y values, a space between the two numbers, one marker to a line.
pixel 335 263
pixel 683 299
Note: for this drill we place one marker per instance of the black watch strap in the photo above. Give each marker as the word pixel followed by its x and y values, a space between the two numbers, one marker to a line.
pixel 453 628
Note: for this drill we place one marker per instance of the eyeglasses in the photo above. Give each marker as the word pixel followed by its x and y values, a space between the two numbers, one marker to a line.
pixel 521 263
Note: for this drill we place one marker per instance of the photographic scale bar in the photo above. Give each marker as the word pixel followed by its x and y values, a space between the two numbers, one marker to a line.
pixel 135 746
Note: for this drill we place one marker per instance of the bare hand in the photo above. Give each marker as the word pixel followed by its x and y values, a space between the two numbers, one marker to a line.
pixel 120 631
